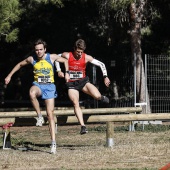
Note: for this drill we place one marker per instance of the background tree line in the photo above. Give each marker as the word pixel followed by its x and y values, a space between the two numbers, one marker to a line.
pixel 112 30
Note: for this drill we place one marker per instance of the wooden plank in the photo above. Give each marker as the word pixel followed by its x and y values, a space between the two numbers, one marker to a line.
pixel 32 109
pixel 6 120
pixel 71 112
pixel 114 118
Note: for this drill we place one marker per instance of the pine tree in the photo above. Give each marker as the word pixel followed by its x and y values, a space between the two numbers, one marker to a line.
pixel 10 13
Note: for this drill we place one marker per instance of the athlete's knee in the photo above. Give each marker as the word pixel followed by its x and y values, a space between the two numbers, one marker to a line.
pixel 50 115
pixel 76 103
pixel 32 94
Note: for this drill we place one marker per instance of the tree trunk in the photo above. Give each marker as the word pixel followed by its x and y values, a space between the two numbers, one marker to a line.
pixel 135 34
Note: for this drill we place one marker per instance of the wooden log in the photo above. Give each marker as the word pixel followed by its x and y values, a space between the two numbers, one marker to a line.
pixel 104 118
pixel 71 112
pixel 32 109
pixel 114 118
pixel 6 120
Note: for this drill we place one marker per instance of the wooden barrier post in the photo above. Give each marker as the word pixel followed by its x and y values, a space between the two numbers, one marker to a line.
pixel 7 136
pixel 131 125
pixel 6 139
pixel 109 134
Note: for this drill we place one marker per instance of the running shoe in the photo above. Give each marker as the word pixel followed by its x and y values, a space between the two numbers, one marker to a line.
pixel 83 130
pixel 53 149
pixel 40 121
pixel 105 99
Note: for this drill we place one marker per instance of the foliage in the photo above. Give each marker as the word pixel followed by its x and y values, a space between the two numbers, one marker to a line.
pixel 120 4
pixel 103 25
pixel 55 2
pixel 10 13
pixel 32 4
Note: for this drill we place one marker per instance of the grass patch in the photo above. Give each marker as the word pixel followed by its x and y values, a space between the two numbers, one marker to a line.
pixel 147 128
pixel 146 149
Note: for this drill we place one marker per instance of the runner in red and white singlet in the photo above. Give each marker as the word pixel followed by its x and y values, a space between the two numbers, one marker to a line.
pixel 78 81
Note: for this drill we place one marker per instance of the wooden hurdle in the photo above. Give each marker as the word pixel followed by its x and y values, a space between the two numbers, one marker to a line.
pixel 63 116
pixel 92 116
pixel 68 112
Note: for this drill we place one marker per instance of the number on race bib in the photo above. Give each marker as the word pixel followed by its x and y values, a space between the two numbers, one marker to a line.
pixel 44 79
pixel 76 74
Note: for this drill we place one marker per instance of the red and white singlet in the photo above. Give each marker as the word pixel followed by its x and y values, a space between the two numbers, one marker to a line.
pixel 76 67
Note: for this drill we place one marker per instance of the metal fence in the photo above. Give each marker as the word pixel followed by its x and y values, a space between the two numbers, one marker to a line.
pixel 158 82
pixel 157 69
pixel 122 87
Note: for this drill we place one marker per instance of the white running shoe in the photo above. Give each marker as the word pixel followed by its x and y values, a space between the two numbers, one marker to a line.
pixel 40 121
pixel 53 149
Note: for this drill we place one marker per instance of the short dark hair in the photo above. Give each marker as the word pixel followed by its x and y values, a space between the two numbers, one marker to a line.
pixel 40 41
pixel 80 43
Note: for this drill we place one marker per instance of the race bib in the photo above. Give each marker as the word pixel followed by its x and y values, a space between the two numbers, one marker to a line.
pixel 44 79
pixel 76 75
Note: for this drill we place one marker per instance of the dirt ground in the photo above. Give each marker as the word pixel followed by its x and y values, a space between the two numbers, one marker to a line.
pixel 131 150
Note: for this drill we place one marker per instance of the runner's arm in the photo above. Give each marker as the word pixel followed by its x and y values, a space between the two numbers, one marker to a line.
pixel 65 61
pixel 28 60
pixel 57 65
pixel 101 65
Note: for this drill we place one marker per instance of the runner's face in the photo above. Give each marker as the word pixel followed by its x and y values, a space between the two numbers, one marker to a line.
pixel 40 50
pixel 78 53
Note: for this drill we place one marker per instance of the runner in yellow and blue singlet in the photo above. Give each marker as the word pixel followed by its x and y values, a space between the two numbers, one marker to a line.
pixel 43 85
pixel 44 77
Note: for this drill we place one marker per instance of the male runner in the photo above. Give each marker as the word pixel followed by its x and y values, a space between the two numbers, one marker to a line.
pixel 43 85
pixel 78 81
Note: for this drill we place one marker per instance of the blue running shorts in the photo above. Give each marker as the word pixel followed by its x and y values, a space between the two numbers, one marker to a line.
pixel 48 90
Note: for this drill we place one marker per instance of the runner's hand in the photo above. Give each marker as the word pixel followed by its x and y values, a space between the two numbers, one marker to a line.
pixel 67 77
pixel 60 74
pixel 106 81
pixel 7 80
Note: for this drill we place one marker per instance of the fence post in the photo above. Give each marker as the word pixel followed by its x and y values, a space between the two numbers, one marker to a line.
pixel 109 134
